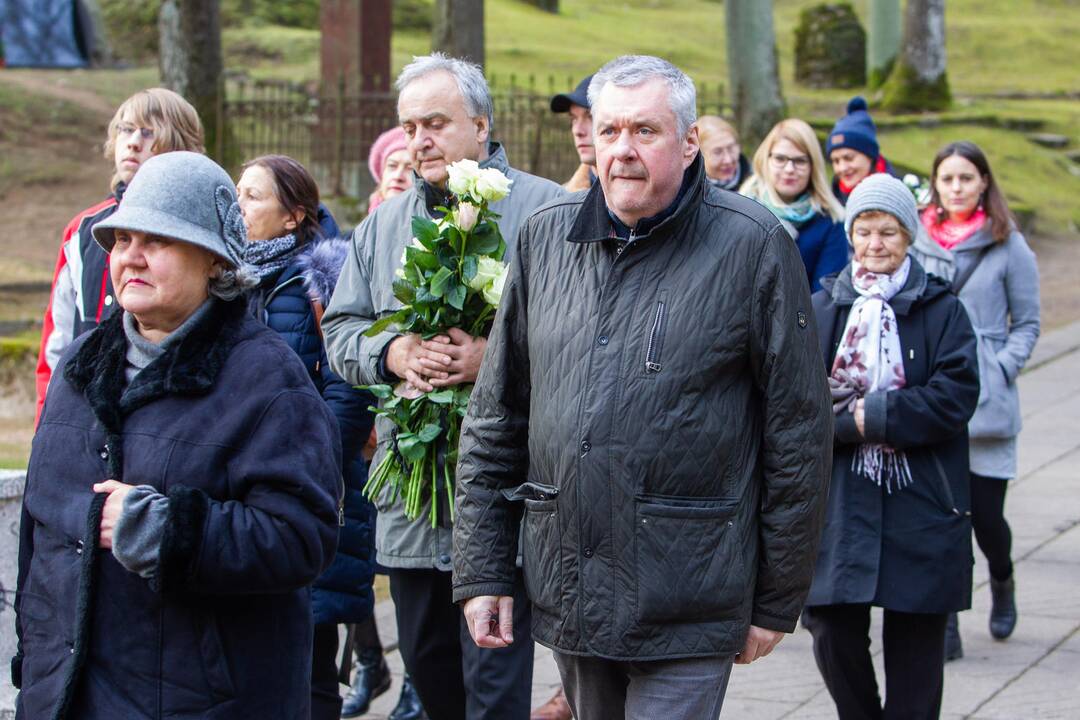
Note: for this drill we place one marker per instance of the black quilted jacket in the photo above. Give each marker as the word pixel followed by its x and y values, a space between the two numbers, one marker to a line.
pixel 660 416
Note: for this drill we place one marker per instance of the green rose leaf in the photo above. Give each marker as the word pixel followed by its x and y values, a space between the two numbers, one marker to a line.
pixel 404 291
pixel 411 446
pixel 426 231
pixel 483 240
pixel 383 392
pixel 386 321
pixel 439 281
pixel 429 432
pixel 468 267
pixel 456 296
pixel 423 258
pixel 442 397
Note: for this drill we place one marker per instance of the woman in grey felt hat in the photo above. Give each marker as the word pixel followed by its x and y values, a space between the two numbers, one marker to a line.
pixel 184 486
pixel 900 351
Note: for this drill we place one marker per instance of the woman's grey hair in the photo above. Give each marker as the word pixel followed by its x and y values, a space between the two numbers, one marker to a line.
pixel 227 283
pixel 468 76
pixel 633 70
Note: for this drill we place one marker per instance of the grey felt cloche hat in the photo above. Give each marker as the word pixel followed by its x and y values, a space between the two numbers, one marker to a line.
pixel 185 196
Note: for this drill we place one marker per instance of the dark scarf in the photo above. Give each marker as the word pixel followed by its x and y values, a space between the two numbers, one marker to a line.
pixel 645 225
pixel 269 257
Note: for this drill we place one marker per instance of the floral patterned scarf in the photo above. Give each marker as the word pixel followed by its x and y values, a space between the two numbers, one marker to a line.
pixel 870 360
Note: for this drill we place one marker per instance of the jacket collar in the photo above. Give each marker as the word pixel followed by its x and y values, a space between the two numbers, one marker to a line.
pixel 188 367
pixel 919 287
pixel 593 223
pixel 434 196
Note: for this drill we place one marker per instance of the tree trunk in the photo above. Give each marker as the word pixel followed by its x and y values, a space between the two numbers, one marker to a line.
pixel 752 68
pixel 459 29
pixel 190 61
pixel 918 81
pixel 882 40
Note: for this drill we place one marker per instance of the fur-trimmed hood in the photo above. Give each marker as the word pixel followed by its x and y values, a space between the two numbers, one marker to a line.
pixel 320 265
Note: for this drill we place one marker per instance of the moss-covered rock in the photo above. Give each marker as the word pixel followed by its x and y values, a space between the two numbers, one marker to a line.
pixel 830 47
pixel 905 91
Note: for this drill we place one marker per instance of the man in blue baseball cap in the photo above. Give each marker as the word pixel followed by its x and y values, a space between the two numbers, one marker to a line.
pixel 576 103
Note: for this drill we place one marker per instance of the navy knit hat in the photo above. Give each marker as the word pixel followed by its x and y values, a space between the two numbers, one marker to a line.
pixel 855 130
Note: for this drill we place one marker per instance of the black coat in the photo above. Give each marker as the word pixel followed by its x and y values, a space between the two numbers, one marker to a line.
pixel 908 550
pixel 668 407
pixel 227 425
pixel 342 594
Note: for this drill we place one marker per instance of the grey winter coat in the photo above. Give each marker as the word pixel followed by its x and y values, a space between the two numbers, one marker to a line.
pixel 364 293
pixel 1002 299
pixel 660 417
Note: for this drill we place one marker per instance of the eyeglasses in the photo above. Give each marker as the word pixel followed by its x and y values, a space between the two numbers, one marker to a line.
pixel 780 162
pixel 126 129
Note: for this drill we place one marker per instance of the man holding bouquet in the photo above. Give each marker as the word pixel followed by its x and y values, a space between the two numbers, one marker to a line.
pixel 653 411
pixel 446 111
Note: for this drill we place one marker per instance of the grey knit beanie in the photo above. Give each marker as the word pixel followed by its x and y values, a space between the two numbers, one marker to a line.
pixel 184 196
pixel 882 192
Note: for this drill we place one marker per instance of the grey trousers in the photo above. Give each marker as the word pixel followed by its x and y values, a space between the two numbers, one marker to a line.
pixel 686 689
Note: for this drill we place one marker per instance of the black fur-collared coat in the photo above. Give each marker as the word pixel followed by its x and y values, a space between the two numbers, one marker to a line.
pixel 227 425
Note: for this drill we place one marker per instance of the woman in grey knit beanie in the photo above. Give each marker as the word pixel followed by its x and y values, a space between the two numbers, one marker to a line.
pixel 902 370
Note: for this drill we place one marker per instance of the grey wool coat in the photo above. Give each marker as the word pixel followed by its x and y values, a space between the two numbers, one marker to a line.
pixel 364 293
pixel 1002 299
pixel 657 420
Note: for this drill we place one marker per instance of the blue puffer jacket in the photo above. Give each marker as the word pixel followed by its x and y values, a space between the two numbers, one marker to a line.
pixel 343 593
pixel 824 248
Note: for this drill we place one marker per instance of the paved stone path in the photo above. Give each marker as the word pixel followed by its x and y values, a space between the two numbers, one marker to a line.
pixel 1036 673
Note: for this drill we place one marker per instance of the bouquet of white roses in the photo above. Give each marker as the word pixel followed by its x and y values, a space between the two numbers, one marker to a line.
pixel 452 276
pixel 919 188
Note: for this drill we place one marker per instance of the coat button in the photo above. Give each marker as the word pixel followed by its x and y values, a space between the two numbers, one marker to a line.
pixel 108 300
pixel 602 340
pixel 444 559
pixel 587 552
pixel 586 446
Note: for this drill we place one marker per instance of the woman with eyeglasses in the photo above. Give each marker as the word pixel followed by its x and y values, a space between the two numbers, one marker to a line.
pixel 789 179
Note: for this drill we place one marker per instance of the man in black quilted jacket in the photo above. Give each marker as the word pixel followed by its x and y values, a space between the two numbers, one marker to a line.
pixel 653 409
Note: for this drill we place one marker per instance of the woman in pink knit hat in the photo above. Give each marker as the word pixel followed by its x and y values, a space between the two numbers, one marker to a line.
pixel 390 166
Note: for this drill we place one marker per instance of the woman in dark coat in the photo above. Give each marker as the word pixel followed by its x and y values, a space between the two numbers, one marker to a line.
pixel 297 268
pixel 183 488
pixel 905 382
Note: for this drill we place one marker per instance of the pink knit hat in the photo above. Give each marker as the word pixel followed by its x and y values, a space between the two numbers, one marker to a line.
pixel 385 145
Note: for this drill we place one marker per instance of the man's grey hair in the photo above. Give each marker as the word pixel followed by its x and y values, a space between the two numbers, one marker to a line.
pixel 468 76
pixel 633 70
pixel 228 282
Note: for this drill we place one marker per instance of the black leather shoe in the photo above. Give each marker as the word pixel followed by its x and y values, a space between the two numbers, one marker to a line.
pixel 372 680
pixel 954 648
pixel 408 705
pixel 1003 607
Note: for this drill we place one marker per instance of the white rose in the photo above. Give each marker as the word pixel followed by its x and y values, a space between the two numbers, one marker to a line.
pixel 493 292
pixel 487 270
pixel 492 185
pixel 467 214
pixel 463 175
pixel 912 181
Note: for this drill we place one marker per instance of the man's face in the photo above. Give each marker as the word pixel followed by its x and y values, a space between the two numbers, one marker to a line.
pixel 440 131
pixel 581 129
pixel 640 155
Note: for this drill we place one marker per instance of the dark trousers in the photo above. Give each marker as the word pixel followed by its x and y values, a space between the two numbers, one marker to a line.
pixel 914 662
pixel 455 679
pixel 325 693
pixel 988 521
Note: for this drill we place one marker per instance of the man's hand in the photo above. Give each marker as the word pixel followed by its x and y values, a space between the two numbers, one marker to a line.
pixel 759 643
pixel 490 620
pixel 114 506
pixel 860 416
pixel 465 353
pixel 407 358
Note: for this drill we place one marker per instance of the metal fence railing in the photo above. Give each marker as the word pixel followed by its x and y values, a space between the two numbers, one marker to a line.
pixel 331 132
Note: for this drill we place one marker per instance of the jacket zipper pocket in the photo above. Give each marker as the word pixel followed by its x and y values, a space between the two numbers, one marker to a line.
pixel 945 484
pixel 656 338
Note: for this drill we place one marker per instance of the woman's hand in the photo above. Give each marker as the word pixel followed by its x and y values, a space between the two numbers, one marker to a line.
pixel 114 506
pixel 860 416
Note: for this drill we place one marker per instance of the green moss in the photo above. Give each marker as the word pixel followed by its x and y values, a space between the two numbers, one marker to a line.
pixel 876 77
pixel 904 91
pixel 830 47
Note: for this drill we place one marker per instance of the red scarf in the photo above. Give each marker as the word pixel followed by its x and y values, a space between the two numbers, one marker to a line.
pixel 879 167
pixel 950 233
